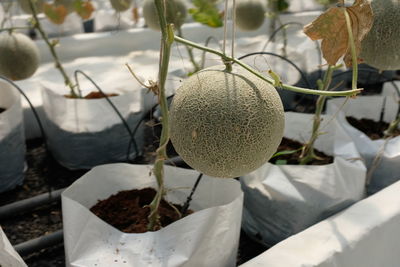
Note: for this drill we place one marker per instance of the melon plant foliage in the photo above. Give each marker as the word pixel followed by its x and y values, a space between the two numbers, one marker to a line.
pixel 226 124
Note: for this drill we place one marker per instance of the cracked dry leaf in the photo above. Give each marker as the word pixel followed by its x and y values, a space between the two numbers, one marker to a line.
pixel 331 28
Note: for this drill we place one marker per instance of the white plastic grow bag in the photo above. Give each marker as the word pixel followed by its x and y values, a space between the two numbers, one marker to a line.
pixel 83 133
pixel 12 140
pixel 366 234
pixel 281 200
pixel 8 256
pixel 208 237
pixel 387 170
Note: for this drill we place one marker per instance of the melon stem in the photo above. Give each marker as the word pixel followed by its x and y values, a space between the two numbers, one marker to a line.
pixel 53 52
pixel 296 89
pixel 167 38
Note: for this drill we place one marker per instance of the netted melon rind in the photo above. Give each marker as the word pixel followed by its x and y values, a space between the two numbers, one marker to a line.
pixel 19 56
pixel 226 124
pixel 250 14
pixel 24 5
pixel 176 13
pixel 381 47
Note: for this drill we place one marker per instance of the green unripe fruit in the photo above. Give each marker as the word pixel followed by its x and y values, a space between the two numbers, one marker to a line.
pixel 68 4
pixel 121 5
pixel 176 13
pixel 19 56
pixel 381 47
pixel 226 124
pixel 250 14
pixel 24 4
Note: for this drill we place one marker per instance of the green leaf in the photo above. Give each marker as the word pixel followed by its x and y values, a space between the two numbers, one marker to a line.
pixel 206 13
pixel 281 162
pixel 282 5
pixel 284 152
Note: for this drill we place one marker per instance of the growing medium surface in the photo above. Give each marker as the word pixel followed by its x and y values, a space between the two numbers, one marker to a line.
pixel 373 129
pixel 128 211
pixel 226 124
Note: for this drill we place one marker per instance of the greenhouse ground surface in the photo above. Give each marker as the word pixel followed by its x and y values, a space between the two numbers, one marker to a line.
pixel 44 173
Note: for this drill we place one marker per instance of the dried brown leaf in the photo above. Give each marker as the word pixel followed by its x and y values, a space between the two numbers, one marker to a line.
pixel 55 14
pixel 331 28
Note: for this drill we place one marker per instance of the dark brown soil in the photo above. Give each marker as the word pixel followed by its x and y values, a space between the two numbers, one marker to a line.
pixel 127 210
pixel 293 158
pixel 373 129
pixel 1 110
pixel 93 95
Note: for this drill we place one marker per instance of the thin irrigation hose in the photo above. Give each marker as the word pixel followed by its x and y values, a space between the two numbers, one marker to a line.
pixel 189 198
pixel 360 70
pixel 145 115
pixel 35 114
pixel 124 122
pixel 277 30
pixel 206 43
pixel 303 76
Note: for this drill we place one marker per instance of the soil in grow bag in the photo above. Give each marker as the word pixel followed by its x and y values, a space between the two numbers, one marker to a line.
pixel 2 109
pixel 128 212
pixel 293 158
pixel 373 129
pixel 93 95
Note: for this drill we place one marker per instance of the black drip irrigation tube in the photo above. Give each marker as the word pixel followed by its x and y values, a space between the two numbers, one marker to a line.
pixel 26 205
pixel 124 122
pixel 39 243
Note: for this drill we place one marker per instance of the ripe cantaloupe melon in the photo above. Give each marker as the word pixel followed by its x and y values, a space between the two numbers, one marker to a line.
pixel 24 4
pixel 250 14
pixel 381 47
pixel 226 124
pixel 19 56
pixel 121 5
pixel 176 13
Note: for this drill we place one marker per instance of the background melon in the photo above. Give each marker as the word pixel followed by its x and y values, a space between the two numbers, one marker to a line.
pixel 24 4
pixel 381 47
pixel 19 56
pixel 250 14
pixel 121 5
pixel 176 13
pixel 226 124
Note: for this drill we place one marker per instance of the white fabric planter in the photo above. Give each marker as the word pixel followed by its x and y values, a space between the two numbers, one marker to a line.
pixel 208 237
pixel 12 139
pixel 83 133
pixel 281 200
pixel 370 107
pixel 366 234
pixel 8 256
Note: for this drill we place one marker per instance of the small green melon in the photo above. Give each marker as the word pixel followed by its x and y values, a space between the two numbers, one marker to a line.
pixel 226 124
pixel 19 56
pixel 24 4
pixel 250 14
pixel 176 13
pixel 381 47
pixel 121 5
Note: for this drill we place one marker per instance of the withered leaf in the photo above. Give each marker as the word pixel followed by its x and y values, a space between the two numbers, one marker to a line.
pixel 331 28
pixel 55 14
pixel 84 8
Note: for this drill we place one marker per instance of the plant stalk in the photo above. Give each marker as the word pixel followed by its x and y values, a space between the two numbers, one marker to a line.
pixel 308 153
pixel 53 52
pixel 167 38
pixel 226 58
